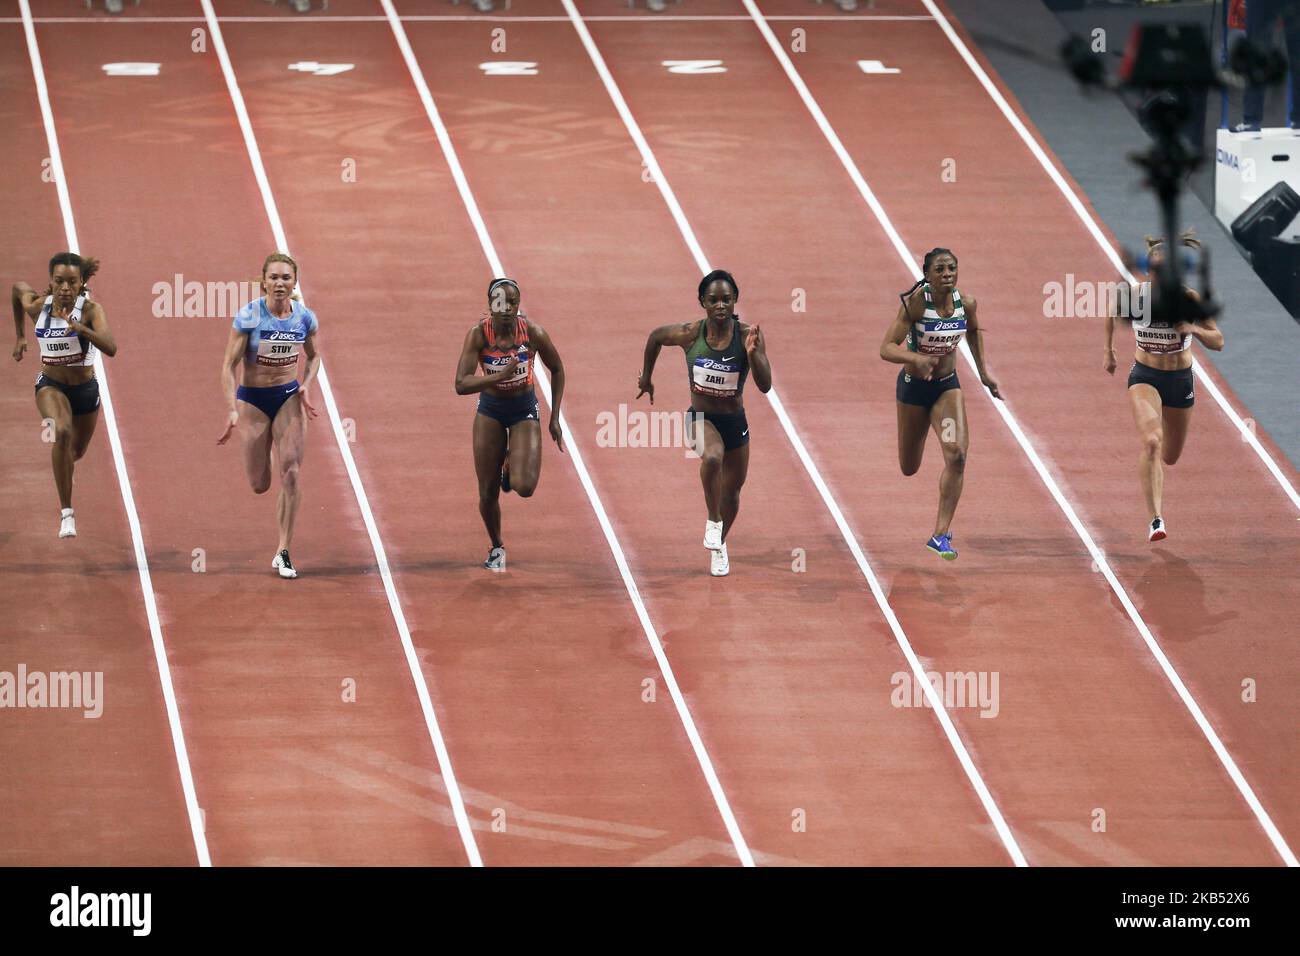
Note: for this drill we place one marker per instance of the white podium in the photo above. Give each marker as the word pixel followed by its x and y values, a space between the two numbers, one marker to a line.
pixel 1247 165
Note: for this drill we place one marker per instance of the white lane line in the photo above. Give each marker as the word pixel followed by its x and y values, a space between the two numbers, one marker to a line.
pixel 475 18
pixel 1098 557
pixel 494 261
pixel 119 463
pixel 1094 229
pixel 688 234
pixel 363 502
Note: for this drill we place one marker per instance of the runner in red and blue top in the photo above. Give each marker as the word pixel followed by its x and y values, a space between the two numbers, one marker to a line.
pixel 721 351
pixel 269 406
pixel 71 331
pixel 924 339
pixel 1161 389
pixel 507 428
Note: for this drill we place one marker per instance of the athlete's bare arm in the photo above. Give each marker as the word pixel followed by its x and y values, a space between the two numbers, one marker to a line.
pixel 311 349
pixel 756 350
pixel 1108 353
pixel 975 336
pixel 95 328
pixel 550 356
pixel 467 383
pixel 20 319
pixel 1206 331
pixel 236 345
pixel 892 348
pixel 681 334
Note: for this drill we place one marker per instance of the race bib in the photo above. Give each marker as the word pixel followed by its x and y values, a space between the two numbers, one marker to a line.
pixel 715 378
pixel 938 337
pixel 1159 338
pixel 60 348
pixel 279 348
pixel 495 363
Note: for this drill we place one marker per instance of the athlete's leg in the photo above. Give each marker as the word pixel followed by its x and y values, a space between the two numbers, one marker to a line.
pixel 1146 412
pixel 56 412
pixel 1175 422
pixel 913 426
pixel 84 426
pixel 709 444
pixel 948 419
pixel 735 467
pixel 489 453
pixel 525 456
pixel 289 438
pixel 254 430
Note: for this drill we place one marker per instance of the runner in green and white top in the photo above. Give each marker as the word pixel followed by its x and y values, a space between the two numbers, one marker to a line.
pixel 721 351
pixel 924 339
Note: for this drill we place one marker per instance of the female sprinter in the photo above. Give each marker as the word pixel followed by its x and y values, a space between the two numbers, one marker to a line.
pixel 931 321
pixel 720 352
pixel 507 431
pixel 70 329
pixel 1160 384
pixel 269 407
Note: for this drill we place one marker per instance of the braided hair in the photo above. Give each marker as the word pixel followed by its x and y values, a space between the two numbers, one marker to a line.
pixel 929 260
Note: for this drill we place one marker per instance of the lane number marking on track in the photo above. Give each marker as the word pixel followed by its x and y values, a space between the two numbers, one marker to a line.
pixel 321 69
pixel 132 69
pixel 695 66
pixel 509 68
pixel 876 66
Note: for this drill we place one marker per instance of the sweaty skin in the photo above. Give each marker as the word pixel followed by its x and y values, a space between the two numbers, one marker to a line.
pixel 1162 431
pixel 490 437
pixel 722 472
pixel 947 417
pixel 72 434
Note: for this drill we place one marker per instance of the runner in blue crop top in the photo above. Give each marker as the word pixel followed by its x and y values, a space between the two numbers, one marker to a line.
pixel 269 408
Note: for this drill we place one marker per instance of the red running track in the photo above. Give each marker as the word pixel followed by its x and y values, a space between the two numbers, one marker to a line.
pixel 537 677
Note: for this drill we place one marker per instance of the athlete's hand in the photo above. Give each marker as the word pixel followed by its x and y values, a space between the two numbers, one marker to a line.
pixel 754 341
pixel 1184 328
pixel 646 388
pixel 1109 363
pixel 557 432
pixel 231 422
pixel 991 385
pixel 308 407
pixel 507 370
pixel 19 348
pixel 923 366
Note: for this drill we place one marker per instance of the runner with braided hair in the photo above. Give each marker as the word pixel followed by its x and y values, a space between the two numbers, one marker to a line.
pixel 924 339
